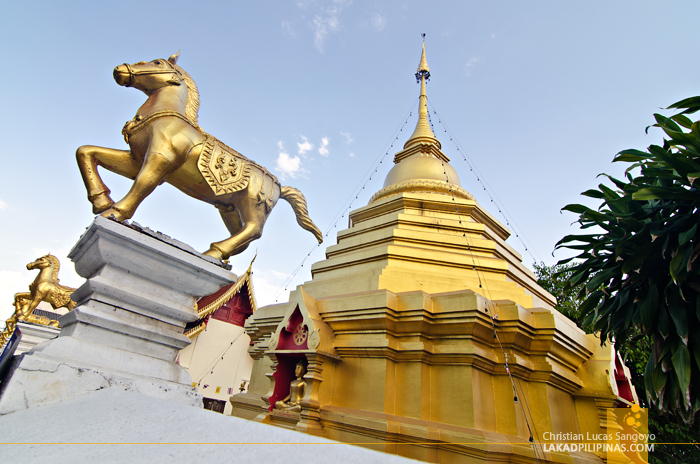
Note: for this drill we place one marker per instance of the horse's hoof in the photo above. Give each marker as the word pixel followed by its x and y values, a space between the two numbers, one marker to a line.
pixel 114 213
pixel 214 253
pixel 101 202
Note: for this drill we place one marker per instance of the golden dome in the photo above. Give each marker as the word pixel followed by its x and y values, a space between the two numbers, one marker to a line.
pixel 421 165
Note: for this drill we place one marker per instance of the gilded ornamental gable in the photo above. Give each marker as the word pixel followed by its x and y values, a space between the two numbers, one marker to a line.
pixel 302 327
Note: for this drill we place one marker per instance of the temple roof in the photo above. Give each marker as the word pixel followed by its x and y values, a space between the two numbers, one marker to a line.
pixel 207 305
pixel 210 303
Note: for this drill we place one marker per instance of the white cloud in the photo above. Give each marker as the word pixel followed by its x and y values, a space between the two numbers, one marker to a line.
pixel 321 28
pixel 323 149
pixel 327 21
pixel 348 137
pixel 288 29
pixel 352 155
pixel 268 285
pixel 3 205
pixel 378 22
pixel 288 165
pixel 305 146
pixel 470 64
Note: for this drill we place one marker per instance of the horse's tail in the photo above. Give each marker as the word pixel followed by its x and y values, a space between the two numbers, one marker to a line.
pixel 295 198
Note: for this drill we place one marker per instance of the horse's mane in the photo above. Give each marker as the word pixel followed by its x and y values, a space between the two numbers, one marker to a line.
pixel 56 267
pixel 192 105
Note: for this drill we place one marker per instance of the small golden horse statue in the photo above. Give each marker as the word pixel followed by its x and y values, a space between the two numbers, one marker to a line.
pixel 166 144
pixel 45 287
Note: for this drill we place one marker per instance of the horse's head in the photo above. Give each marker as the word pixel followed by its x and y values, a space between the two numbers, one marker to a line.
pixel 148 76
pixel 40 263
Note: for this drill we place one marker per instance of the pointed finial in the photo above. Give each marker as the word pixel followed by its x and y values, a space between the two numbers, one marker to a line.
pixel 251 263
pixel 423 69
pixel 423 132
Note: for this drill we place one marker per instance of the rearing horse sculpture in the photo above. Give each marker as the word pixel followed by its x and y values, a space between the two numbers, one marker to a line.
pixel 46 287
pixel 166 144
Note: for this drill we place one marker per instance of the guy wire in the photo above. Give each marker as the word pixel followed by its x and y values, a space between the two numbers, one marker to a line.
pixel 489 191
pixel 219 357
pixel 489 311
pixel 374 166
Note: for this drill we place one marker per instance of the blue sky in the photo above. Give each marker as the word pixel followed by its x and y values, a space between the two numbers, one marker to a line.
pixel 539 95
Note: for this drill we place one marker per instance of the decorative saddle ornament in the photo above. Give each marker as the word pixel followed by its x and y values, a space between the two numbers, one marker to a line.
pixel 226 170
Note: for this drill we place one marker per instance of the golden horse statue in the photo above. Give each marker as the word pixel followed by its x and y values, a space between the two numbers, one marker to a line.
pixel 166 144
pixel 46 287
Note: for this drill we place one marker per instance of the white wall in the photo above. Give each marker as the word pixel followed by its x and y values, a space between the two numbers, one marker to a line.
pixel 204 356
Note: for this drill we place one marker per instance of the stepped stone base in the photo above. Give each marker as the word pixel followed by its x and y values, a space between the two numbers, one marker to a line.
pixel 127 328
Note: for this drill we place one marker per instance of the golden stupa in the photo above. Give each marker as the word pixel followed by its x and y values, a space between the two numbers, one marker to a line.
pixel 423 334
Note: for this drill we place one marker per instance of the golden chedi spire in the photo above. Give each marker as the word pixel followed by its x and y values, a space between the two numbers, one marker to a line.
pixel 422 166
pixel 423 132
pixel 423 65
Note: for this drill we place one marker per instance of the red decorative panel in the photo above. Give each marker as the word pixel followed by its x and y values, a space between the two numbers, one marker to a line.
pixel 236 310
pixel 623 383
pixel 295 335
pixel 207 300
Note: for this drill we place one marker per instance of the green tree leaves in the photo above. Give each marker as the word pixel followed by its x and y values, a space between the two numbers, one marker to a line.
pixel 557 281
pixel 637 272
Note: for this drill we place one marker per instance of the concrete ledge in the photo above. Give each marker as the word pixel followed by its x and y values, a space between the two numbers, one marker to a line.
pixel 39 380
pixel 112 425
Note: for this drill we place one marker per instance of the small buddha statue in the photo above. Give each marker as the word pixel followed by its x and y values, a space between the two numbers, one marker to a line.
pixel 297 389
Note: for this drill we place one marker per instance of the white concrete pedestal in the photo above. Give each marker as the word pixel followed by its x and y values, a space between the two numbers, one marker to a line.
pixel 126 330
pixel 33 334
